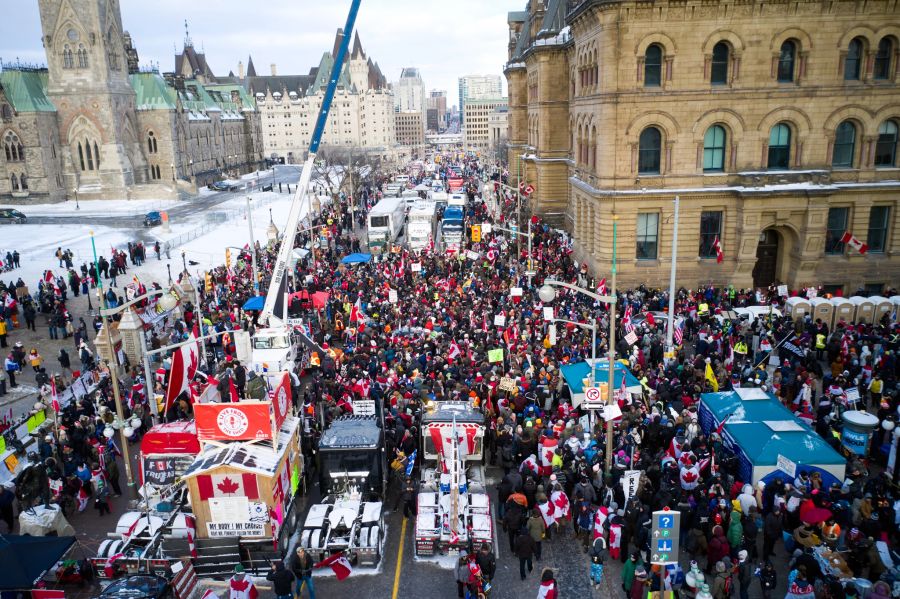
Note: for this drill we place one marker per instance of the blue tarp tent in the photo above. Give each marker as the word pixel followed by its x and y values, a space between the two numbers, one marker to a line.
pixel 356 259
pixel 255 303
pixel 576 373
pixel 767 438
pixel 25 558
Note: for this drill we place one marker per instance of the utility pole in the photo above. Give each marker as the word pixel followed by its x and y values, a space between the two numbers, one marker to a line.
pixel 612 351
pixel 252 248
pixel 670 326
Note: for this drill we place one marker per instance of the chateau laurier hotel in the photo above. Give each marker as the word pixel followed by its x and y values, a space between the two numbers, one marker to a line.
pixel 776 123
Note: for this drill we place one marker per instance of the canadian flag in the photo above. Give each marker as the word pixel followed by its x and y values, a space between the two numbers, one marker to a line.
pixel 548 512
pixel 547 451
pixel 600 517
pixel 339 564
pixel 855 243
pixel 690 478
pixel 191 525
pixel 454 350
pixel 54 396
pixel 718 247
pixel 601 288
pixel 626 319
pixel 530 464
pixel 227 485
pixel 184 366
pixel 561 501
pixel 356 313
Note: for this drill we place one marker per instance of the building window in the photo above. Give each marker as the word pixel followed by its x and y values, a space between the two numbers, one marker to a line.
pixel 15 151
pixel 882 66
pixel 97 155
pixel 835 229
pixel 647 235
pixel 14 182
pixel 6 112
pixel 853 60
pixel 844 145
pixel 653 66
pixel 786 59
pixel 82 57
pixel 714 149
pixel 68 59
pixel 886 146
pixel 878 228
pixel 23 183
pixel 151 143
pixel 719 72
pixel 649 146
pixel 779 147
pixel 81 156
pixel 90 156
pixel 710 229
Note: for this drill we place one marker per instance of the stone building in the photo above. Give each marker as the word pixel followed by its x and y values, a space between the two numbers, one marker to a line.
pixel 361 116
pixel 90 125
pixel 410 128
pixel 775 123
pixel 476 122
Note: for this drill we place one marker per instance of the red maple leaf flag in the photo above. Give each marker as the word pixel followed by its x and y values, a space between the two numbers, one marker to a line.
pixel 601 288
pixel 855 243
pixel 339 564
pixel 228 486
pixel 718 247
pixel 54 396
pixel 356 311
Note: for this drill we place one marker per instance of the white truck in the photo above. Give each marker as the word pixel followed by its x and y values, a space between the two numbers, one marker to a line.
pixel 453 504
pixel 270 350
pixel 385 223
pixel 421 225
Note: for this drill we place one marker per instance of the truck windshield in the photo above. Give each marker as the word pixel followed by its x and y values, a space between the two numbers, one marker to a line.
pixel 337 463
pixel 274 342
pixel 378 221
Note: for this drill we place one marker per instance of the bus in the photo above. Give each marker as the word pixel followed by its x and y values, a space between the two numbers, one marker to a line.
pixel 421 227
pixel 452 230
pixel 385 223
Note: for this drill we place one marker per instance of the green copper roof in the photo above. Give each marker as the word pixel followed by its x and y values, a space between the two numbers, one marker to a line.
pixel 227 90
pixel 27 90
pixel 324 72
pixel 151 92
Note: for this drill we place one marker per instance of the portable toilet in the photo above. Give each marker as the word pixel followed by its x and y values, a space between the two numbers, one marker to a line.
pixel 895 302
pixel 797 307
pixel 843 310
pixel 823 310
pixel 882 306
pixel 864 309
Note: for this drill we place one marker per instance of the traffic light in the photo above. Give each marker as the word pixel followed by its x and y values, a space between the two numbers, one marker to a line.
pixel 227 258
pixel 476 233
pixel 209 283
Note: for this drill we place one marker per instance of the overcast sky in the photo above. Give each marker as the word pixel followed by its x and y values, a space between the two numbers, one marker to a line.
pixel 443 38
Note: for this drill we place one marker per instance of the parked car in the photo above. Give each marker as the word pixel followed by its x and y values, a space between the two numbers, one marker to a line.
pixel 267 187
pixel 223 186
pixel 141 586
pixel 11 215
pixel 153 219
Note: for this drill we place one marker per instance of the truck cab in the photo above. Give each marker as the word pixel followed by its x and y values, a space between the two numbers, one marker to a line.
pixel 273 350
pixel 350 455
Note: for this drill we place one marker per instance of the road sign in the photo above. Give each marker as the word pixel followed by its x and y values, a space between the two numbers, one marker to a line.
pixel 595 398
pixel 664 537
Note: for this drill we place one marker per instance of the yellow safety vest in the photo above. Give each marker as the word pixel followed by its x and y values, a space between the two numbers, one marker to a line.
pixel 740 348
pixel 703 309
pixel 820 341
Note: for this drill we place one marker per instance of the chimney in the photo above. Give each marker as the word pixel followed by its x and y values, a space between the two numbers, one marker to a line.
pixel 274 70
pixel 240 69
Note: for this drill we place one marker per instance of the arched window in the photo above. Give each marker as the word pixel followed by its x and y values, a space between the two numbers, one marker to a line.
pixel 714 149
pixel 97 155
pixel 649 148
pixel 14 182
pixel 886 147
pixel 853 60
pixel 23 182
pixel 653 66
pixel 882 67
pixel 82 57
pixel 68 60
pixel 15 151
pixel 786 59
pixel 151 143
pixel 6 112
pixel 718 74
pixel 81 156
pixel 844 145
pixel 780 147
pixel 90 157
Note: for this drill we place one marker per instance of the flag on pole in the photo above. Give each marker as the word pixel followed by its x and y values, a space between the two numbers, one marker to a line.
pixel 54 396
pixel 855 243
pixel 339 564
pixel 356 311
pixel 718 247
pixel 626 319
pixel 185 361
pixel 678 334
pixel 454 351
pixel 411 462
pixel 601 288
pixel 711 377
pixel 721 426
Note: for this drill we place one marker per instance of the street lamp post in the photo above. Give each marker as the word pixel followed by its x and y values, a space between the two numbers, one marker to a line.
pixel 183 261
pixel 75 191
pixel 173 172
pixel 670 326
pixel 252 248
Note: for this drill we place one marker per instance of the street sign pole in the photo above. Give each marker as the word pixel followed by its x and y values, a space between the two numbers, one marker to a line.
pixel 664 542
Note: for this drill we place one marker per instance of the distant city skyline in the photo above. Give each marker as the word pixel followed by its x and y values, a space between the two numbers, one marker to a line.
pixel 294 37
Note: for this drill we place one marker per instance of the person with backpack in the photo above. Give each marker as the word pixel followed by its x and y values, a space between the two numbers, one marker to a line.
pixel 722 585
pixel 598 556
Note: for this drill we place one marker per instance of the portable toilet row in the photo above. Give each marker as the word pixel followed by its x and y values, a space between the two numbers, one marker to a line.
pixel 831 311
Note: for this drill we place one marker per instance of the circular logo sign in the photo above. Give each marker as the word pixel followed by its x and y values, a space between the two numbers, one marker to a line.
pixel 232 422
pixel 592 394
pixel 282 401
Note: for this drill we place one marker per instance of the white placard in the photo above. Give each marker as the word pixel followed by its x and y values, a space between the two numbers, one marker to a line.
pixel 631 338
pixel 392 296
pixel 486 228
pixel 258 512
pixel 515 292
pixel 812 293
pixel 416 267
pixel 235 529
pixel 852 394
pixel 548 313
pixel 630 483
pixel 500 320
pixel 364 407
pixel 611 411
pixel 787 466
pixel 507 384
pixel 229 509
pixel 472 255
pixel 783 290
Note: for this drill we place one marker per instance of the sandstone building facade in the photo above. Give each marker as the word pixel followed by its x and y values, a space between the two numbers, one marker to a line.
pixel 476 122
pixel 91 125
pixel 775 123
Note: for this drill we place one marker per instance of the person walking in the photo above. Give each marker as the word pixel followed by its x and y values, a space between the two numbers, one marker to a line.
pixel 768 580
pixel 301 567
pixel 537 528
pixel 744 574
pixel 772 527
pixel 524 550
pixel 598 556
pixel 282 580
pixel 487 562
pixel 12 367
pixel 65 362
pixel 462 574
pixel 548 589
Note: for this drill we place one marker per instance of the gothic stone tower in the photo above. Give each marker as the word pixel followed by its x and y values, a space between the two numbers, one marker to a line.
pixel 89 84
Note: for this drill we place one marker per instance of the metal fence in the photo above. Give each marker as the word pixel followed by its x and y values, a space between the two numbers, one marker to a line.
pixel 214 220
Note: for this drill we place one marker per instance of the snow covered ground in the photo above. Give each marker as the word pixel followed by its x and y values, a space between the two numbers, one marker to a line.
pixel 101 208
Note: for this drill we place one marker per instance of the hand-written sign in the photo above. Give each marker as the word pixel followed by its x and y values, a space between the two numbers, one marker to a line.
pixel 507 384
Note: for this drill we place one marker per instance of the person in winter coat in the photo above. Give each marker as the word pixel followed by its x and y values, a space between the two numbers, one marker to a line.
pixel 628 570
pixel 302 566
pixel 800 588
pixel 462 574
pixel 768 579
pixel 735 530
pixel 65 362
pixel 282 581
pixel 721 586
pixel 548 589
pixel 486 562
pixel 640 583
pixel 536 528
pixel 744 573
pixel 717 549
pixel 598 556
pixel 241 585
pixel 584 524
pixel 524 550
pixel 12 366
pixel 880 590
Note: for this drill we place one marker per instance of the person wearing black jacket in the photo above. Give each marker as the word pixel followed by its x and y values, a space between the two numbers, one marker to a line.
pixel 301 567
pixel 282 580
